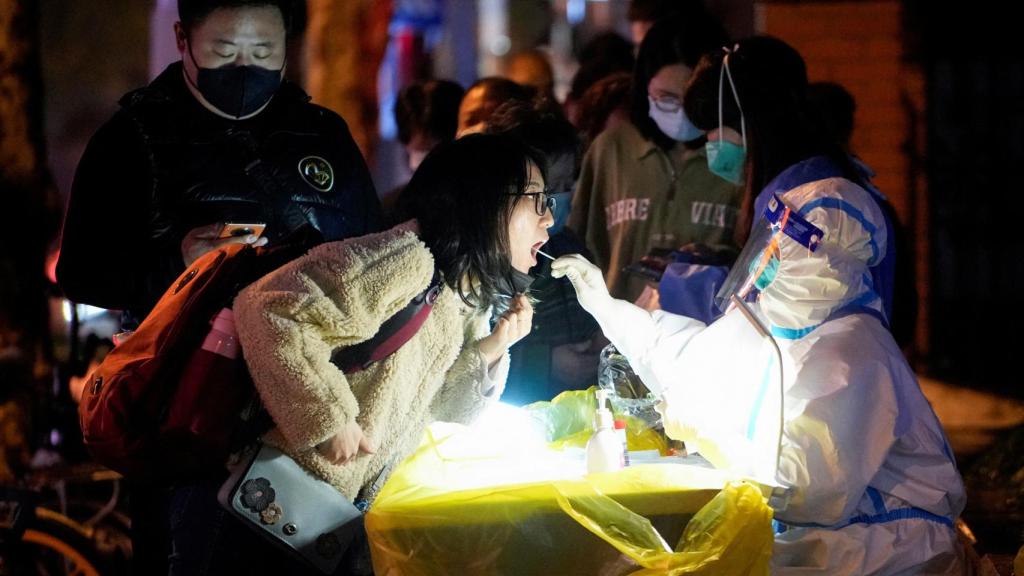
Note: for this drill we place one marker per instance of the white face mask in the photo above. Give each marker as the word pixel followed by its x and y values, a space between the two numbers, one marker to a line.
pixel 675 125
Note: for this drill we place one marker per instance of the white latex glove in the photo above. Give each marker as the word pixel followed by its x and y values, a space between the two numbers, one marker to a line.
pixel 205 239
pixel 630 328
pixel 586 278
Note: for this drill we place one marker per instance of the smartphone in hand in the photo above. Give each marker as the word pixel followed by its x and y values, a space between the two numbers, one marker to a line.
pixel 240 229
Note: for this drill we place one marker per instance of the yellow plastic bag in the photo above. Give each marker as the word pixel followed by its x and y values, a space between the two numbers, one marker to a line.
pixel 566 415
pixel 464 503
pixel 568 420
pixel 732 534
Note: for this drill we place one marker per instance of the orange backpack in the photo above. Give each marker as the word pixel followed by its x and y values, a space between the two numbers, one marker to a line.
pixel 127 396
pixel 125 407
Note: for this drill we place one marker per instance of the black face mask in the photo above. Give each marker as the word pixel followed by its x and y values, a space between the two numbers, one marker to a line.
pixel 236 90
pixel 515 282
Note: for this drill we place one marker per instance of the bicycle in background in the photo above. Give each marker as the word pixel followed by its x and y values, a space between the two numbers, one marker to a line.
pixel 60 523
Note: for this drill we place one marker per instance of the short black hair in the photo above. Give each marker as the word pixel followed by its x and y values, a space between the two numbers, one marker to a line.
pixel 192 12
pixel 605 54
pixel 833 107
pixel 600 101
pixel 542 128
pixel 430 108
pixel 497 90
pixel 462 196
pixel 676 40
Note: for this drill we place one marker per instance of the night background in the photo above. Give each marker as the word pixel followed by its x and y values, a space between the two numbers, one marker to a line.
pixel 939 88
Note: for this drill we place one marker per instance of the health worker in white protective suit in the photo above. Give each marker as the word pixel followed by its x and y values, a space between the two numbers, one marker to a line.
pixel 872 484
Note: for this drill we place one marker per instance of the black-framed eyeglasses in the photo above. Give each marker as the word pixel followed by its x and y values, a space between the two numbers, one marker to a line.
pixel 542 202
pixel 666 103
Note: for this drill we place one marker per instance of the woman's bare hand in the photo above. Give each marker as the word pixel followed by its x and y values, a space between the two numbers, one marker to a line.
pixel 511 328
pixel 346 444
pixel 205 239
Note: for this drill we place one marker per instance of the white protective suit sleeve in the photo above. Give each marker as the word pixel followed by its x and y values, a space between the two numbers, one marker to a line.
pixel 711 379
pixel 641 336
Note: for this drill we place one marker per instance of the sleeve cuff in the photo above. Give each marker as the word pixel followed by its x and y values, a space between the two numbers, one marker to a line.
pixel 492 380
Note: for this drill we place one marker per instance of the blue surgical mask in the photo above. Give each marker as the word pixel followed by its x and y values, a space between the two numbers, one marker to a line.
pixel 726 159
pixel 563 206
pixel 675 125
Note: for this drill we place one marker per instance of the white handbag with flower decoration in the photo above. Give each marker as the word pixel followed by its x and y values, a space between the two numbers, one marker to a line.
pixel 294 509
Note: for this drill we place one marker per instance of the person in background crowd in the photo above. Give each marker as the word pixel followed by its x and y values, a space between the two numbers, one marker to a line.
pixel 646 185
pixel 483 97
pixel 604 106
pixel 833 108
pixel 605 55
pixel 218 137
pixel 532 68
pixel 427 114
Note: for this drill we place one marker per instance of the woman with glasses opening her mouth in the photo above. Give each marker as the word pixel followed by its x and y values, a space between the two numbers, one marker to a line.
pixel 477 213
pixel 561 353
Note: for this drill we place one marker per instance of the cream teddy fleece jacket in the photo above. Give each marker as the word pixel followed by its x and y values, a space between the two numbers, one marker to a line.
pixel 339 294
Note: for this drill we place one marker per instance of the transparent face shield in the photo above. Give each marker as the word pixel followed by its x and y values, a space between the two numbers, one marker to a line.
pixel 759 261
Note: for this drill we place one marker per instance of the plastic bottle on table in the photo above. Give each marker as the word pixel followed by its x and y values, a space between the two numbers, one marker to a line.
pixel 604 450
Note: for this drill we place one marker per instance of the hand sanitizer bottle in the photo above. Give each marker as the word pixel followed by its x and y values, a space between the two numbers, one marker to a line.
pixel 604 450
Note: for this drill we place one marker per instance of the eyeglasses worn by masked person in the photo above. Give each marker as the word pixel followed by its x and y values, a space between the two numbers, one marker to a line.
pixel 666 103
pixel 667 113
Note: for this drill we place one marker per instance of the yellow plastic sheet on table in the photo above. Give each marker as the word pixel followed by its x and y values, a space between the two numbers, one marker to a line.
pixel 462 504
pixel 568 420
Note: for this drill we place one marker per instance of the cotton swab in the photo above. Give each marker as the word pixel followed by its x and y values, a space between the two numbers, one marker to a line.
pixel 548 256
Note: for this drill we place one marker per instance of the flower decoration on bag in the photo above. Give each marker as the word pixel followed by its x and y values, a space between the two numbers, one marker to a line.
pixel 271 515
pixel 257 494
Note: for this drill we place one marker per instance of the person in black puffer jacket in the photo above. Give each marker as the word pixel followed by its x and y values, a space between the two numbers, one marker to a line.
pixel 217 137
